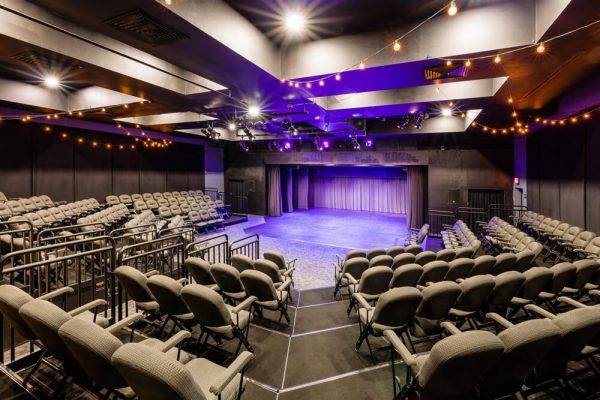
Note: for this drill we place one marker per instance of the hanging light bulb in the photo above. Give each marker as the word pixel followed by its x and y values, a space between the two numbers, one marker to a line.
pixel 397 45
pixel 321 83
pixel 468 63
pixel 361 65
pixel 338 77
pixel 497 59
pixel 541 48
pixel 453 9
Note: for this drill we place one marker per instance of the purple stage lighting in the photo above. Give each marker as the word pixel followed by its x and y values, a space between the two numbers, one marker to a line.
pixel 287 145
pixel 325 144
pixel 368 143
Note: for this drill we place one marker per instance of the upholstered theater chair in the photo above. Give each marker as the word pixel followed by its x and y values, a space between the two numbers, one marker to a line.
pixel 354 267
pixel 536 279
pixel 155 376
pixel 413 249
pixel 241 262
pixel 523 260
pixel 506 286
pixel 351 254
pixel 465 252
pixel 229 282
pixel 583 282
pixel 525 344
pixel 453 367
pixel 474 293
pixel 459 269
pixel 403 259
pixel 112 200
pixel 272 270
pixel 435 271
pixel 395 310
pixel 374 252
pixel 282 264
pixel 381 260
pixel 373 282
pixel 504 262
pixel 563 274
pixel 135 284
pixel 445 255
pixel 394 251
pixel 406 275
pixel 483 265
pixel 167 292
pixel 217 319
pixel 93 347
pixel 200 272
pixel 261 286
pixel 438 299
pixel 425 257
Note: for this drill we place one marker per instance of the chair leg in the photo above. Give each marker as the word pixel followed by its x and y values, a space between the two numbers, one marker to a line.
pixel 284 313
pixel 370 350
pixel 366 331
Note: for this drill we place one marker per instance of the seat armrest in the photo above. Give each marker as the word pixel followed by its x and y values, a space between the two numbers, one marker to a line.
pixel 288 272
pixel 540 311
pixel 87 307
pixel 150 273
pixel 117 326
pixel 571 302
pixel 499 319
pixel 363 303
pixel 292 263
pixel 351 279
pixel 181 281
pixel 175 340
pixel 234 368
pixel 400 348
pixel 284 285
pixel 450 327
pixel 244 304
pixel 58 292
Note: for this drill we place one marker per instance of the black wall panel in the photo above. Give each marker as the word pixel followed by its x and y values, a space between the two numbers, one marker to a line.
pixel 550 176
pixel 572 170
pixel 592 204
pixel 533 173
pixel 37 162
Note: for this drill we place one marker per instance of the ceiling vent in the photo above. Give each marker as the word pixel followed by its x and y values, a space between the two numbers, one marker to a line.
pixel 142 26
pixel 444 71
pixel 40 60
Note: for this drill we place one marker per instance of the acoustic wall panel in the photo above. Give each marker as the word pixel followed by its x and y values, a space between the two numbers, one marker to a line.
pixel 93 172
pixel 592 205
pixel 571 172
pixel 15 163
pixel 126 174
pixel 53 167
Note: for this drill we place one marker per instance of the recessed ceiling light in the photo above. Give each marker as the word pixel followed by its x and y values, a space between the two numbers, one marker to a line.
pixel 254 111
pixel 446 112
pixel 52 81
pixel 295 22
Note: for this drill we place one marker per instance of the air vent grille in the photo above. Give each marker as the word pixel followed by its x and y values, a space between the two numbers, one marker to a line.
pixel 444 71
pixel 142 26
pixel 40 60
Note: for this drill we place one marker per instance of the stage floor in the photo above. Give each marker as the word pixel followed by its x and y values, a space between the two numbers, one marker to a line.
pixel 338 228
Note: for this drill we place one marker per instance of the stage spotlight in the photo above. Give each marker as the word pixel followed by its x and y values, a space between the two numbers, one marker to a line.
pixel 244 146
pixel 254 111
pixel 355 143
pixel 404 122
pixel 318 144
pixel 287 145
pixel 52 81
pixel 248 133
pixel 232 126
pixel 295 22
pixel 446 112
pixel 369 143
pixel 326 144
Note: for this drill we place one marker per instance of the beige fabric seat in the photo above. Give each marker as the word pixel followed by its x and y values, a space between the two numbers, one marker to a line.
pixel 563 274
pixel 445 255
pixel 136 286
pixel 241 262
pixel 504 262
pixel 154 376
pixel 374 252
pixel 406 275
pixel 351 254
pixel 413 249
pixel 217 319
pixel 425 257
pixel 112 200
pixel 272 270
pixel 434 271
pixel 354 267
pixel 584 274
pixel 281 263
pixel 483 265
pixel 167 292
pixel 394 251
pixel 373 282
pixel 453 367
pixel 474 293
pixel 506 286
pixel 93 347
pixel 200 272
pixel 438 299
pixel 259 285
pixel 381 260
pixel 395 310
pixel 459 269
pixel 403 259
pixel 536 279
pixel 229 282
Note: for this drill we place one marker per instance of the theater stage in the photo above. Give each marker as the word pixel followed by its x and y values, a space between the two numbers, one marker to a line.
pixel 339 228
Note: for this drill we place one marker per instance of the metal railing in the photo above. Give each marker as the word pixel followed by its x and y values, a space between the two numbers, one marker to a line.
pixel 213 250
pixel 212 192
pixel 16 235
pixel 61 234
pixel 82 265
pixel 508 213
pixel 437 219
pixel 248 246
pixel 470 216
pixel 187 231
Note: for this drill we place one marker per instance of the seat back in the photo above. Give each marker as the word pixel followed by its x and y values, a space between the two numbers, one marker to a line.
pixel 524 346
pixel 563 275
pixel 28 205
pixel 258 284
pixel 536 279
pixel 506 287
pixel 167 292
pixel 140 205
pixel 394 251
pixel 375 280
pixel 275 257
pixel 474 293
pixel 465 252
pixel 445 255
pixel 397 306
pixel 374 252
pixel 504 262
pixel 15 206
pixel 583 239
pixel 241 262
pixel 413 249
pixel 207 305
pixel 523 260
pixel 425 257
pixel 355 254
pixel 199 270
pixel 435 271
pixel 459 269
pixel 456 364
pixel 11 300
pixel 269 268
pixel 112 200
pixel 403 259
pixel 406 275
pixel 381 260
pixel 438 299
pixel 227 277
pixel 593 246
pixel 355 267
pixel 586 269
pixel 155 376
pixel 135 284
pixel 94 348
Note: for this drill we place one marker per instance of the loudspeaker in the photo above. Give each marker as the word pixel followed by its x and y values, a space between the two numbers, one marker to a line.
pixel 453 196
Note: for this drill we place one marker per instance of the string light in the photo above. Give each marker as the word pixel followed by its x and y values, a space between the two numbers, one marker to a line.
pixel 397 46
pixel 497 59
pixel 468 63
pixel 541 48
pixel 361 65
pixel 338 77
pixel 453 9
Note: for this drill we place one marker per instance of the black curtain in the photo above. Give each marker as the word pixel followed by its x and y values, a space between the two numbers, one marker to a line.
pixel 416 179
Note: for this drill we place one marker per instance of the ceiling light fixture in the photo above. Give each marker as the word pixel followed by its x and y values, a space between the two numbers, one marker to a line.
pixel 254 111
pixel 453 9
pixel 446 112
pixel 52 81
pixel 397 45
pixel 232 126
pixel 295 22
pixel 541 48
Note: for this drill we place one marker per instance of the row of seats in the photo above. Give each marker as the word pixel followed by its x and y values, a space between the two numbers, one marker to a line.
pixel 130 199
pixel 459 235
pixel 61 214
pixel 416 236
pixel 501 236
pixel 523 358
pixel 23 205
pixel 560 239
pixel 89 349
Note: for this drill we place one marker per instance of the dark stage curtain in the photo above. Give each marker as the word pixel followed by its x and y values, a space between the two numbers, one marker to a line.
pixel 274 190
pixel 302 189
pixel 416 179
pixel 361 189
pixel 287 189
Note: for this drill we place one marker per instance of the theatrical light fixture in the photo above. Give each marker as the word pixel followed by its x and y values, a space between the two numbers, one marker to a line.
pixel 295 22
pixel 453 9
pixel 446 112
pixel 338 77
pixel 254 111
pixel 248 133
pixel 404 122
pixel 244 146
pixel 52 81
pixel 287 145
pixel 321 83
pixel 369 143
pixel 468 63
pixel 354 142
pixel 419 120
pixel 361 65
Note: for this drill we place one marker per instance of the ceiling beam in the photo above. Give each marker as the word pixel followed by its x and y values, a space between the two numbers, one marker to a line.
pixel 167 119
